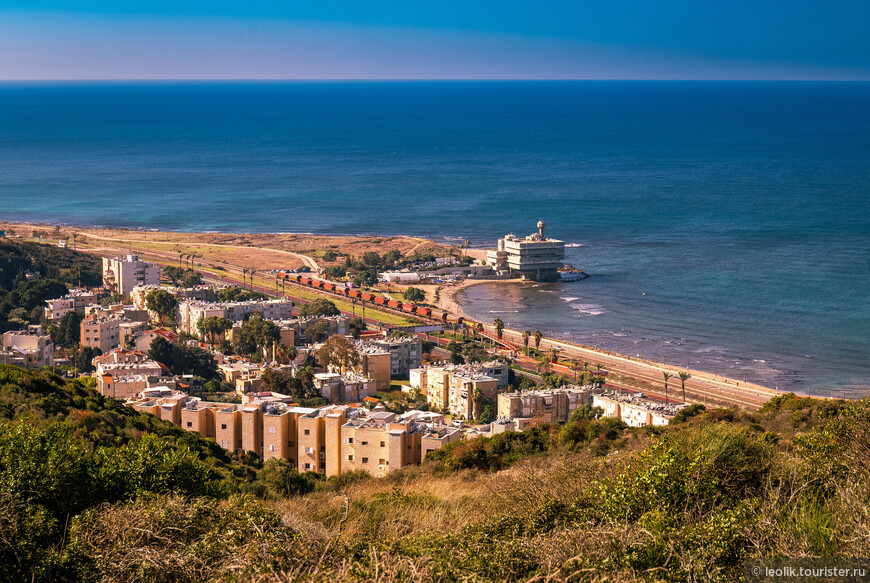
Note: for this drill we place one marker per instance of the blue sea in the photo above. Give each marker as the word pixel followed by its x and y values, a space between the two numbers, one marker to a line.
pixel 724 224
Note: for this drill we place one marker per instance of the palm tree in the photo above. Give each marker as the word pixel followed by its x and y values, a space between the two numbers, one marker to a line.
pixel 598 367
pixel 466 247
pixel 684 376
pixel 667 375
pixel 553 354
pixel 74 236
pixel 526 336
pixel 180 255
pixel 477 398
pixel 499 326
pixel 585 365
pixel 542 364
pixel 538 336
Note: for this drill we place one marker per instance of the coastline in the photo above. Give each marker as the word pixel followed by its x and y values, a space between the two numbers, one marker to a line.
pixel 233 252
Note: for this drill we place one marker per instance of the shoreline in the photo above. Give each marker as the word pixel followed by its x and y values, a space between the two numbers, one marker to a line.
pixel 264 251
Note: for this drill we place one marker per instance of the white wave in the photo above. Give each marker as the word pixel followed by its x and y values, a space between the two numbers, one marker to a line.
pixel 569 299
pixel 588 309
pixel 573 244
pixel 758 360
pixel 504 311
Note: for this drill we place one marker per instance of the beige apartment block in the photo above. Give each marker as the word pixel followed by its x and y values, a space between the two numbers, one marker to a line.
pixel 436 437
pixel 374 363
pixel 380 444
pixel 252 429
pixel 311 436
pixel 228 427
pixel 162 403
pixel 102 333
pixel 464 387
pixel 279 434
pixel 199 416
pixel 438 391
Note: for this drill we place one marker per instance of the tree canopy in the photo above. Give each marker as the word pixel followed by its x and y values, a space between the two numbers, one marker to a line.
pixel 162 303
pixel 337 352
pixel 414 294
pixel 319 307
pixel 213 328
pixel 257 334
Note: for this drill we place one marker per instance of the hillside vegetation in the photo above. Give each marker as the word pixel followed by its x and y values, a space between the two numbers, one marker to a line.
pixel 22 302
pixel 93 491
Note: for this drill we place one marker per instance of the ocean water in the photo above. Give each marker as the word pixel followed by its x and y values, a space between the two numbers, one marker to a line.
pixel 726 225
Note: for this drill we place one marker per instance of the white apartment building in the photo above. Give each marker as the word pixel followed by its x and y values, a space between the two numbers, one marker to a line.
pixel 635 409
pixel 190 312
pixel 122 274
pixel 27 348
pixel 76 299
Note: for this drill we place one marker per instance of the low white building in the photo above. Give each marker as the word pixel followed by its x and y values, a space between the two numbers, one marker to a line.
pixel 190 312
pixel 635 410
pixel 400 276
pixel 27 348
pixel 75 300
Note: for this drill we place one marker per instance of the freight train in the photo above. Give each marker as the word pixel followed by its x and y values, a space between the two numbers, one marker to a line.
pixel 380 301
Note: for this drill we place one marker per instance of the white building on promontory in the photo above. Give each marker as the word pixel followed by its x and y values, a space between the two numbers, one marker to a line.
pixel 534 257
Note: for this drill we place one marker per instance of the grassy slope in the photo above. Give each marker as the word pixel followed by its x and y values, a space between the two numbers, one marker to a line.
pixel 587 501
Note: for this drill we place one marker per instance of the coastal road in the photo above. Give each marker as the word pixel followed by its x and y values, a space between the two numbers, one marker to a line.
pixel 648 376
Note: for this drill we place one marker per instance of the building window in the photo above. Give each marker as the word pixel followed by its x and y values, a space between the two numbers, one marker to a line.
pixel 350 439
pixel 364 443
pixel 272 448
pixel 365 460
pixel 307 466
pixel 307 432
pixel 272 430
pixel 350 458
pixel 190 424
pixel 309 450
pixel 383 444
pixel 224 444
pixel 223 425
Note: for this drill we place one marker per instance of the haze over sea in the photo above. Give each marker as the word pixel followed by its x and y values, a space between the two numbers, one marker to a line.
pixel 724 224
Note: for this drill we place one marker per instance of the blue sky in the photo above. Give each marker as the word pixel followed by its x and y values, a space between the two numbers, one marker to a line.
pixel 448 39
